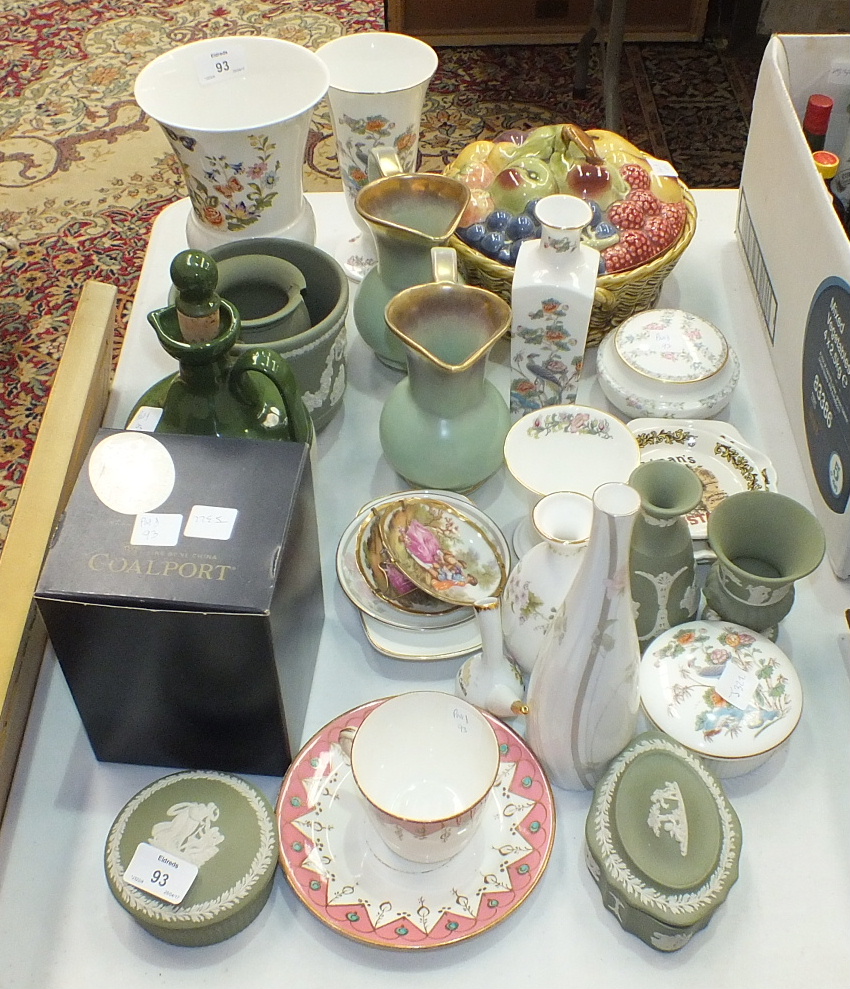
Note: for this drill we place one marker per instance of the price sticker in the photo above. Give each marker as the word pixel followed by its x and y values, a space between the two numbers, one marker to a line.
pixel 162 874
pixel 210 522
pixel 661 167
pixel 156 529
pixel 221 64
pixel 145 420
pixel 737 686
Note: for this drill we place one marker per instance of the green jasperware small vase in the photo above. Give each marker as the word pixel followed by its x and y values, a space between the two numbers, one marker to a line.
pixel 662 554
pixel 764 541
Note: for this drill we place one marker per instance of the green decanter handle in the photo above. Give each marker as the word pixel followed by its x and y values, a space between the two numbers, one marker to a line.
pixel 278 371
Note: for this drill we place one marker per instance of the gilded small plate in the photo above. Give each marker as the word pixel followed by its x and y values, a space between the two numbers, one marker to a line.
pixel 384 576
pixel 361 595
pixel 443 551
pixel 723 464
pixel 450 642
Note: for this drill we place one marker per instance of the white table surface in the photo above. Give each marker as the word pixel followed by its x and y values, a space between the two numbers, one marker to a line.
pixel 787 920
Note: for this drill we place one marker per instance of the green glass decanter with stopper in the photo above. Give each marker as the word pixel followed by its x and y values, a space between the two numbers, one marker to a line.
pixel 213 394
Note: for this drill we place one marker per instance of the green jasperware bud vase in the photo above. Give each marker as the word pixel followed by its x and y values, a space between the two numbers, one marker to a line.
pixel 662 554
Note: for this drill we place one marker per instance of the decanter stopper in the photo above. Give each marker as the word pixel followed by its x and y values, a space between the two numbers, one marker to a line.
pixel 195 276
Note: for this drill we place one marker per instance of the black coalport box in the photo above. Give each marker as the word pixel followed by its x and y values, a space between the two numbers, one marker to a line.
pixel 182 594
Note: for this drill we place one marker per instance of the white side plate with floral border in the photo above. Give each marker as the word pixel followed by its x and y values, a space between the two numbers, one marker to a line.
pixel 723 462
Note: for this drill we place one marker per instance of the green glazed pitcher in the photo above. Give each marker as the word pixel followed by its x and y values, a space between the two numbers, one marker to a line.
pixel 212 394
pixel 444 425
pixel 409 214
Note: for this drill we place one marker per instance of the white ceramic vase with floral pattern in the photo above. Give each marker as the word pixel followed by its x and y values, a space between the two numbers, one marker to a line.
pixel 583 696
pixel 236 111
pixel 538 584
pixel 552 297
pixel 378 82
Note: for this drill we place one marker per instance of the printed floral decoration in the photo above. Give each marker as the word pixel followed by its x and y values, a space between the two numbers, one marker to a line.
pixel 235 192
pixel 356 136
pixel 707 657
pixel 547 363
pixel 569 422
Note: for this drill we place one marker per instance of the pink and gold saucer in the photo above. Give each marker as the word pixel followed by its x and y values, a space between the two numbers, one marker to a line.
pixel 346 876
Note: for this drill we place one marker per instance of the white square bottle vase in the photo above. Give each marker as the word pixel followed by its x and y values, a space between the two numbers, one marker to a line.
pixel 552 298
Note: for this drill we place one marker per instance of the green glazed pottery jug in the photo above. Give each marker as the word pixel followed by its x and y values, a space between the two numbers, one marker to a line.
pixel 211 394
pixel 409 215
pixel 444 425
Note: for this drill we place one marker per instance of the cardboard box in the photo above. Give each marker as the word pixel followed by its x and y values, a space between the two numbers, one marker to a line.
pixel 798 256
pixel 183 598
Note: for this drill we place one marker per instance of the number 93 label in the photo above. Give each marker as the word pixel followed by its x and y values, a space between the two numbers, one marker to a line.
pixel 162 874
pixel 221 64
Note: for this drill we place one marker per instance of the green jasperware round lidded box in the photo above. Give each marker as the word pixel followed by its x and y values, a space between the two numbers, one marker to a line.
pixel 662 841
pixel 212 822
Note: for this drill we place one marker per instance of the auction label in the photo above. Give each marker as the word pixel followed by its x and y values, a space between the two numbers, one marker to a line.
pixel 162 874
pixel 826 391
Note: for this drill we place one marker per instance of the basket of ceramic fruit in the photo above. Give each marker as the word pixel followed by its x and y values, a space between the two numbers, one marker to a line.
pixel 643 215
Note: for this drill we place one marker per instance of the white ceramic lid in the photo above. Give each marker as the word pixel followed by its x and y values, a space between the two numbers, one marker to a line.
pixel 671 345
pixel 720 690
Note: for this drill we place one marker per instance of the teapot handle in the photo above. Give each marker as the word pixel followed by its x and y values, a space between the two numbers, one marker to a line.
pixel 278 371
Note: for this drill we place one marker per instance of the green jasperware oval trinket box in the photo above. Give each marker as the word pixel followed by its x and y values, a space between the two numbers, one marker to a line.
pixel 216 822
pixel 662 841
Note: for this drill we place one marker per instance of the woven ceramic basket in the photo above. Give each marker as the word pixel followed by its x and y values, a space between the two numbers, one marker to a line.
pixel 618 296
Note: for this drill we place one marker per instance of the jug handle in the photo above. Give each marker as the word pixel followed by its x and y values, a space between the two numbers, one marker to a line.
pixel 382 162
pixel 278 371
pixel 444 264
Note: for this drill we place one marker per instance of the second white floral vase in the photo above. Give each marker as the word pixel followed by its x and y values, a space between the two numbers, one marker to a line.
pixel 583 696
pixel 540 581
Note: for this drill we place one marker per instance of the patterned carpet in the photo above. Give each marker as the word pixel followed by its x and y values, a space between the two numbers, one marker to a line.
pixel 83 174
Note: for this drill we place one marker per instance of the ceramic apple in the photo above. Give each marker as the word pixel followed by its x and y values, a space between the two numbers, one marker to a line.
pixel 478 208
pixel 475 175
pixel 525 179
pixel 471 154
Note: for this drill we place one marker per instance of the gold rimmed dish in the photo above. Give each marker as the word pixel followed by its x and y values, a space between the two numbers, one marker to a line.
pixel 443 550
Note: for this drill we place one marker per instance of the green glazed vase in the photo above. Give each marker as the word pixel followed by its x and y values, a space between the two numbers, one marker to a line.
pixel 764 542
pixel 444 425
pixel 211 394
pixel 662 554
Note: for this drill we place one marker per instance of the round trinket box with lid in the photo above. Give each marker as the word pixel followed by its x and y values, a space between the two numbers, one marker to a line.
pixel 662 841
pixel 214 822
pixel 667 363
pixel 723 691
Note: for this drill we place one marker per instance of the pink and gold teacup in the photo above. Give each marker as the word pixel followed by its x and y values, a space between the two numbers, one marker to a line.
pixel 425 762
